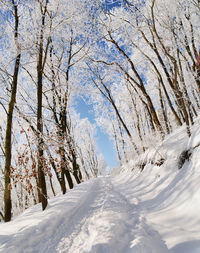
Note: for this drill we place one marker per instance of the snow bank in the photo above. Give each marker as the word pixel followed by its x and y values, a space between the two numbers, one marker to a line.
pixel 168 196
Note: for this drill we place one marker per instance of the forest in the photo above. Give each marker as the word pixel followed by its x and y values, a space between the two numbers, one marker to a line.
pixel 136 62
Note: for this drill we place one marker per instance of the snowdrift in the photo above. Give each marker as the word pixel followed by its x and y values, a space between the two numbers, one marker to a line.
pixel 168 189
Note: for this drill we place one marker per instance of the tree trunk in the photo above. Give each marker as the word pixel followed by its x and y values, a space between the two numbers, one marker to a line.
pixel 164 114
pixel 41 176
pixel 8 145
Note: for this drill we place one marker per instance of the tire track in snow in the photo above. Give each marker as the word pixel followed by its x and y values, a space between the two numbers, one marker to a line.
pixel 111 225
pixel 103 228
pixel 145 239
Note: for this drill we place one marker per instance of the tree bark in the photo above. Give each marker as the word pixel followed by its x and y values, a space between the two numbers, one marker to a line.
pixel 8 144
pixel 40 66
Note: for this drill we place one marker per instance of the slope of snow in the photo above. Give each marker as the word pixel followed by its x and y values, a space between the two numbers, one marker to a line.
pixel 169 197
pixel 155 211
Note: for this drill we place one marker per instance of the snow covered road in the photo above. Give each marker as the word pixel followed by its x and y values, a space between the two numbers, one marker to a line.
pixel 109 224
pixel 94 217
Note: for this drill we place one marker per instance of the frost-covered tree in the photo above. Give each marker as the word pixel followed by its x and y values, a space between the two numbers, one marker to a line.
pixel 148 59
pixel 39 36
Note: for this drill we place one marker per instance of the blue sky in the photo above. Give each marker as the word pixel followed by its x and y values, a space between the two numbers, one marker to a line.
pixel 105 145
pixel 113 3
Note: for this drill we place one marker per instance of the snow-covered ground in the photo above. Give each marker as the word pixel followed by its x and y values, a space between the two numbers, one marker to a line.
pixel 154 211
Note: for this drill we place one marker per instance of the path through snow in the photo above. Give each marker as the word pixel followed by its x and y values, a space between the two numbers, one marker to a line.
pixel 110 224
pixel 94 217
